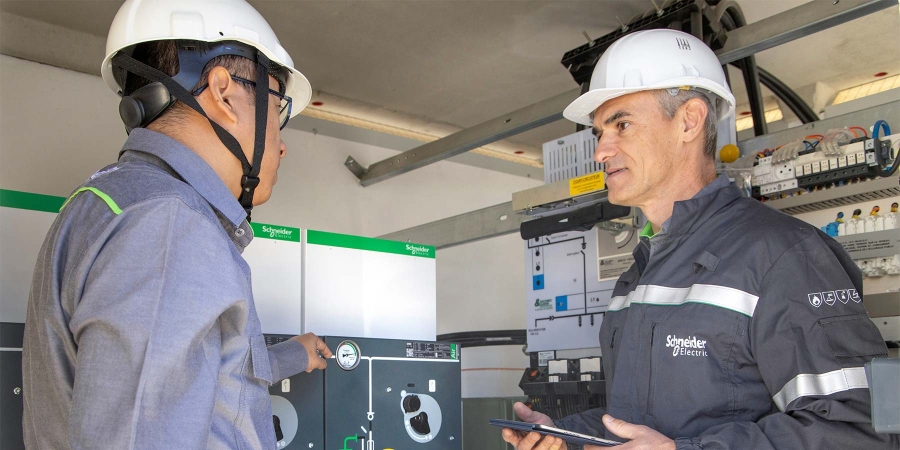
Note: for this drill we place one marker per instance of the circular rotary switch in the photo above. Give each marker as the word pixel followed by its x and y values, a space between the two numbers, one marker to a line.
pixel 420 423
pixel 411 403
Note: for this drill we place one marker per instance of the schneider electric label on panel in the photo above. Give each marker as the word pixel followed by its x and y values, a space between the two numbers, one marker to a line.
pixel 277 232
pixel 432 350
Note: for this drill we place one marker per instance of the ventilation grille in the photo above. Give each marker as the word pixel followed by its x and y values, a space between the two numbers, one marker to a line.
pixel 570 156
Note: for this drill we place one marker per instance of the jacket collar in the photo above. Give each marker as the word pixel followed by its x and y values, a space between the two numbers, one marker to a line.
pixel 688 215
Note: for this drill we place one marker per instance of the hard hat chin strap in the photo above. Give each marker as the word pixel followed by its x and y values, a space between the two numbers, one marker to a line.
pixel 250 177
pixel 250 180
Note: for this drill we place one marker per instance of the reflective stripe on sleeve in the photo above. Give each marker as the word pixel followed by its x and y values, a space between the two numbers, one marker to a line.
pixel 806 384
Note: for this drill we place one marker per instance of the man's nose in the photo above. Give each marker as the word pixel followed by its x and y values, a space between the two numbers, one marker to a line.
pixel 605 150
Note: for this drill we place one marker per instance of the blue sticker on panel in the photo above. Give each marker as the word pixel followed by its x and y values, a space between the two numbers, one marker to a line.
pixel 537 282
pixel 562 303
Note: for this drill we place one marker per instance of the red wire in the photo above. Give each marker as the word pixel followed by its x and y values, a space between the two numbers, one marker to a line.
pixel 866 133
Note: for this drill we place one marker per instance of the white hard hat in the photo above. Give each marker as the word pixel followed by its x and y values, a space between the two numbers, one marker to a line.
pixel 200 20
pixel 653 59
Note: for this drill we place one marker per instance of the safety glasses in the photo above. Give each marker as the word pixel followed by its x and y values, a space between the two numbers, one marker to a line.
pixel 284 107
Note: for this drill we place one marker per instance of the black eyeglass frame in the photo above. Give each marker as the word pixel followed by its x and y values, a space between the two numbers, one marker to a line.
pixel 279 95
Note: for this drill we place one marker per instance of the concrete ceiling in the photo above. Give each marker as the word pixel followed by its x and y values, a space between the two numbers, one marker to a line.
pixel 460 63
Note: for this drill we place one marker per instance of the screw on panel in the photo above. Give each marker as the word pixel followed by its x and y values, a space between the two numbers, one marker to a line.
pixel 17 391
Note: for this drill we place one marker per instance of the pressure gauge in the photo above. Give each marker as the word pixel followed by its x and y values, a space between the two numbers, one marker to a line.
pixel 347 355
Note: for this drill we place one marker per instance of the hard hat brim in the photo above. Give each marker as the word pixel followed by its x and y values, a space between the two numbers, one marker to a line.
pixel 581 110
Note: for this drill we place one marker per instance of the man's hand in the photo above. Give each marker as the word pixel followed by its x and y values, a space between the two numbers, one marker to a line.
pixel 532 441
pixel 314 347
pixel 642 438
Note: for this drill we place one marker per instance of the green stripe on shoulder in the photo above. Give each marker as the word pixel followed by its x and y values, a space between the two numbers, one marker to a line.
pixel 30 201
pixel 106 198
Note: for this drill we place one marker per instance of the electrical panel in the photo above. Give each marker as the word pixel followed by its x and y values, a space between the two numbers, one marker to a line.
pixel 565 386
pixel 375 394
pixel 798 167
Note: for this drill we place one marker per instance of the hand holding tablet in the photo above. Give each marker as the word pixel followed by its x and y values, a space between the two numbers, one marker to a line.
pixel 546 430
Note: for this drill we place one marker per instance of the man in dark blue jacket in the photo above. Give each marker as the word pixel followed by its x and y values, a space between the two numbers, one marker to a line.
pixel 738 327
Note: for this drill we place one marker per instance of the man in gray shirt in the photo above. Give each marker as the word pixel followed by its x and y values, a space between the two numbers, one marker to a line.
pixel 141 329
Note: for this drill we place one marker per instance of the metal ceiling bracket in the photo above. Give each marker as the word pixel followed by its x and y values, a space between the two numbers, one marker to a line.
pixel 795 23
pixel 354 167
pixel 472 226
pixel 493 130
pixel 792 24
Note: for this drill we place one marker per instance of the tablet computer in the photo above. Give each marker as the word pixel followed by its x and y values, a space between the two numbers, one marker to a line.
pixel 568 436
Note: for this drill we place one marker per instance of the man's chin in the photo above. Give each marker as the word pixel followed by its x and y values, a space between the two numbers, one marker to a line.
pixel 261 197
pixel 618 198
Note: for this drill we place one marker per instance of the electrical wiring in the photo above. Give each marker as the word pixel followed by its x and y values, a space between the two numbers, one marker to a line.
pixel 879 126
pixel 865 133
pixel 630 237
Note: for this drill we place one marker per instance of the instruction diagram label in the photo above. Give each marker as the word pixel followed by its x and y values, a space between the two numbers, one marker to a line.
pixel 611 267
pixel 432 350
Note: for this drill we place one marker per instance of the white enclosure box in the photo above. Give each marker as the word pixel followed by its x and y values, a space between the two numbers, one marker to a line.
pixel 341 285
pixel 303 281
pixel 25 219
pixel 365 287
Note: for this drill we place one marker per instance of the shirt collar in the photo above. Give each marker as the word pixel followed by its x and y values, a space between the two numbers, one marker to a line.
pixel 191 168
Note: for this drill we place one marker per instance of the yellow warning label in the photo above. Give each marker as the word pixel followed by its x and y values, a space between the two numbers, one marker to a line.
pixel 587 183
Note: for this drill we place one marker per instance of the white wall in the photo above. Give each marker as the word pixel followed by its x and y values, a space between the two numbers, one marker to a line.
pixel 58 126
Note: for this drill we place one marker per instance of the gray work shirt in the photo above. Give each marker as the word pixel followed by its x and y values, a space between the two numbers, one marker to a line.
pixel 141 330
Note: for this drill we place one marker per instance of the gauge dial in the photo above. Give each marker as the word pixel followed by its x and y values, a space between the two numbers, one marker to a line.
pixel 347 355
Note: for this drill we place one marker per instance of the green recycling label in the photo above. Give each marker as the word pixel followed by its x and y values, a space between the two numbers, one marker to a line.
pixel 277 232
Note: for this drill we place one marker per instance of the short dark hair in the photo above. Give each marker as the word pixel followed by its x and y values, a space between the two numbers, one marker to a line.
pixel 670 104
pixel 163 56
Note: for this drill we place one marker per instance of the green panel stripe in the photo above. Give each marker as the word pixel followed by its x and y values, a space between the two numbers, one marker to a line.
pixel 109 201
pixel 371 244
pixel 277 232
pixel 30 201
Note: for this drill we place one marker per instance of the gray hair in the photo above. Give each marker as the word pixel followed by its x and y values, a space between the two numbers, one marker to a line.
pixel 670 103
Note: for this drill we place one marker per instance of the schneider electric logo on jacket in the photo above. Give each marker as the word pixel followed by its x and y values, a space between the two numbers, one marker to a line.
pixel 690 346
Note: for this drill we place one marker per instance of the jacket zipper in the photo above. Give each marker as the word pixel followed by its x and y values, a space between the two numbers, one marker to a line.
pixel 650 375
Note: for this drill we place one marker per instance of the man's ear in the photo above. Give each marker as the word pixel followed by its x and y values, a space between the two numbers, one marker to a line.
pixel 693 117
pixel 221 94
